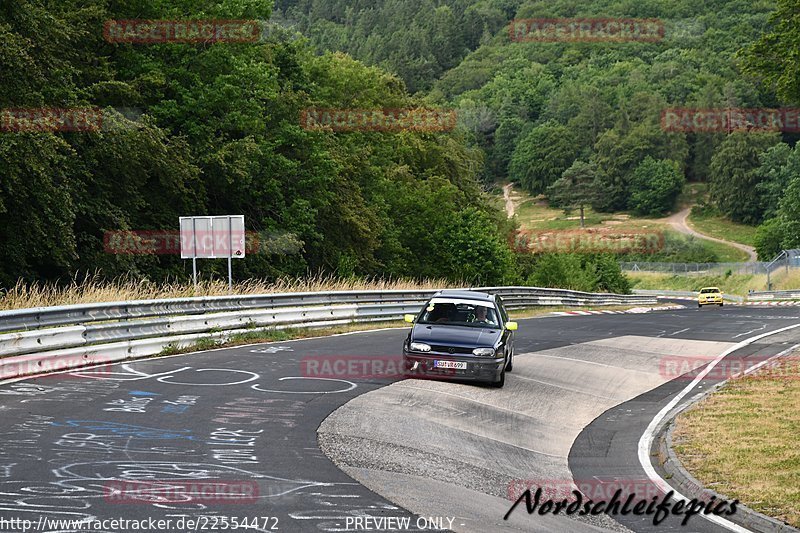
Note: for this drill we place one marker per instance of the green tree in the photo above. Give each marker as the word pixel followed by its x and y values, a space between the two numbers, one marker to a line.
pixel 769 239
pixel 655 186
pixel 564 271
pixel 619 151
pixel 734 175
pixel 789 216
pixel 775 57
pixel 576 188
pixel 541 157
pixel 580 272
pixel 470 250
pixel 610 277
pixel 779 164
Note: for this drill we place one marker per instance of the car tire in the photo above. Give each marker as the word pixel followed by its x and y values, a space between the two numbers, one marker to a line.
pixel 500 382
pixel 699 305
pixel 510 364
pixel 720 305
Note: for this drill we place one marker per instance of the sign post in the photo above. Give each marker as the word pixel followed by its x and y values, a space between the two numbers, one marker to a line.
pixel 212 237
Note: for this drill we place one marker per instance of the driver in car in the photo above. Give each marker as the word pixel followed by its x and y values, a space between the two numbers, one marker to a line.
pixel 480 315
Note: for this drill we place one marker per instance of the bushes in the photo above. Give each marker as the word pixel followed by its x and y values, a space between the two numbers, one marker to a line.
pixel 580 272
pixel 655 186
pixel 677 249
pixel 769 237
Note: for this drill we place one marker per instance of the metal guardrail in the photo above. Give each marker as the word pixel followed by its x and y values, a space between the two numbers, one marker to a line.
pixel 684 294
pixel 753 267
pixel 39 317
pixel 72 336
pixel 793 294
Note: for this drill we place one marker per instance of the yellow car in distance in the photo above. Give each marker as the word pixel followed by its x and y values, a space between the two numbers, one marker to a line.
pixel 709 296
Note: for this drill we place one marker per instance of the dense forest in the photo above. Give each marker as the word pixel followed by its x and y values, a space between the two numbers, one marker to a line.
pixel 219 132
pixel 537 108
pixel 215 128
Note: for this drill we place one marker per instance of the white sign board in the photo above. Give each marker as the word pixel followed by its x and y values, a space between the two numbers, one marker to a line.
pixel 212 237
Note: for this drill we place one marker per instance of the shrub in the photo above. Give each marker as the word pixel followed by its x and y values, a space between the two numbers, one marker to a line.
pixel 655 186
pixel 768 239
pixel 579 272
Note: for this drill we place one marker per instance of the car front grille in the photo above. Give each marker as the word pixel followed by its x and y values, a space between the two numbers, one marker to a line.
pixel 455 350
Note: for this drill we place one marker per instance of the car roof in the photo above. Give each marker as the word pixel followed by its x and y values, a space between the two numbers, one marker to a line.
pixel 714 288
pixel 466 295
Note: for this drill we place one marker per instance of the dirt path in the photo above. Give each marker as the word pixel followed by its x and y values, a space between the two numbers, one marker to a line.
pixel 678 221
pixel 509 202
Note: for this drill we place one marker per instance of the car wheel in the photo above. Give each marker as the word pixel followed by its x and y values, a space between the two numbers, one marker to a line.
pixel 699 305
pixel 510 364
pixel 720 305
pixel 500 382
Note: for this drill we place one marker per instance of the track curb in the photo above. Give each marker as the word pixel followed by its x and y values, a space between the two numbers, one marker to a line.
pixel 682 479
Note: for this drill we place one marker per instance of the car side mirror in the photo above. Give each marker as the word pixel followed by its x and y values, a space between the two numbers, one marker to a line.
pixel 511 326
pixel 409 318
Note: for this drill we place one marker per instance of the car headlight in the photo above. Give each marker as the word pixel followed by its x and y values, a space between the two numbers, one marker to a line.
pixel 484 352
pixel 419 347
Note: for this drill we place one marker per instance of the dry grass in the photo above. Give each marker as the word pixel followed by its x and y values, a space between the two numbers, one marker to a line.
pixel 742 441
pixel 722 228
pixel 93 289
pixel 733 284
pixel 782 280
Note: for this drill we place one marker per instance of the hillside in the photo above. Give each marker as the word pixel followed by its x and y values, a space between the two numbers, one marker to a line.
pixel 536 108
pixel 216 129
pixel 209 127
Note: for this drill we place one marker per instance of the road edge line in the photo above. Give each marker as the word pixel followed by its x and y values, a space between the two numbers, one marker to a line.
pixel 648 437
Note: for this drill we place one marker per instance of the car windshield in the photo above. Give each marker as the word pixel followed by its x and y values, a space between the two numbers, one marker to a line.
pixel 460 313
pixel 705 291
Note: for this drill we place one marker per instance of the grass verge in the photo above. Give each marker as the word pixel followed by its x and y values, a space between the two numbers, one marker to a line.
pixel 742 441
pixel 733 284
pixel 722 228
pixel 724 252
pixel 535 215
pixel 92 289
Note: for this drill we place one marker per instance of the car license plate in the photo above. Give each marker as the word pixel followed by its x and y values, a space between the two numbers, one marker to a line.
pixel 458 365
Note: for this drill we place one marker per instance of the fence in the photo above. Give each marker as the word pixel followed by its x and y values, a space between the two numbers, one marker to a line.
pixel 72 336
pixel 756 267
pixel 774 295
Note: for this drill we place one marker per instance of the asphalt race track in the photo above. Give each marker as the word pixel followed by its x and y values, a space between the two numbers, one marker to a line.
pixel 135 441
